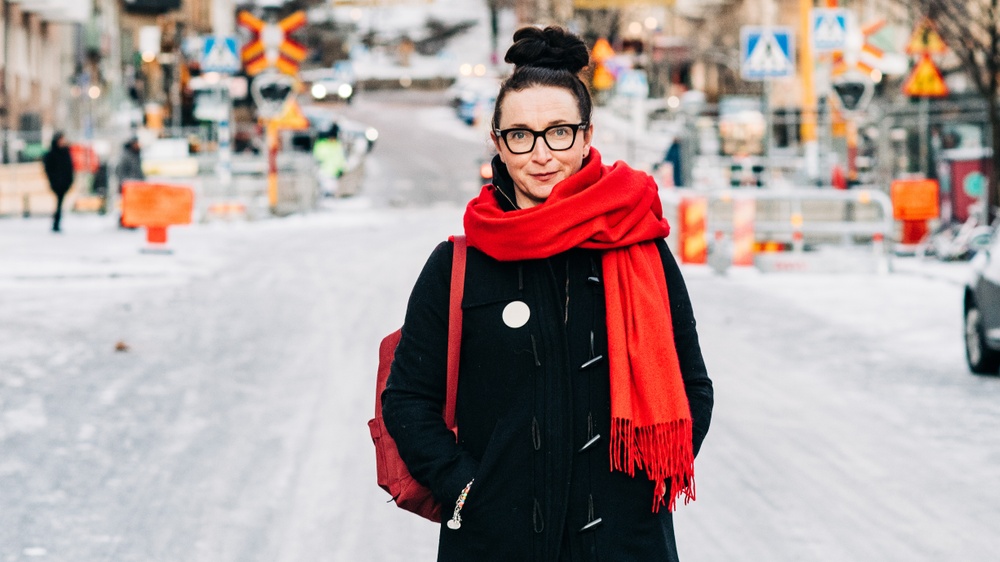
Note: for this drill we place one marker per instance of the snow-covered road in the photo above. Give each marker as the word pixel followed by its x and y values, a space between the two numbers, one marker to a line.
pixel 234 428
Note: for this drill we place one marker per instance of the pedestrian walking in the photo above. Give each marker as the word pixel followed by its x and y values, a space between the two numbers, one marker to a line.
pixel 129 167
pixel 583 397
pixel 58 166
pixel 329 154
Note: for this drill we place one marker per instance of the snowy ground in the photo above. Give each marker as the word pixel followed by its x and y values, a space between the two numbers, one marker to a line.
pixel 847 426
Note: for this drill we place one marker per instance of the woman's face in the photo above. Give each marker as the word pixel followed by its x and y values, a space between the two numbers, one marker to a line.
pixel 536 172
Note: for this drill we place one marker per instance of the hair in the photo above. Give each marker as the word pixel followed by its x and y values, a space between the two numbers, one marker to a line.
pixel 56 138
pixel 550 57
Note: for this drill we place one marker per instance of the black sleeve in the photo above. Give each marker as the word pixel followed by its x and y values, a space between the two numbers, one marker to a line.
pixel 414 395
pixel 696 382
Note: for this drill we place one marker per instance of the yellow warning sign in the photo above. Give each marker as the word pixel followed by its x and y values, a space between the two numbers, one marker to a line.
pixel 925 80
pixel 291 117
pixel 925 40
pixel 602 51
pixel 603 79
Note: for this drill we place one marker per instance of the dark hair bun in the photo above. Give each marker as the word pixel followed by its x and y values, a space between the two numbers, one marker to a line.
pixel 552 47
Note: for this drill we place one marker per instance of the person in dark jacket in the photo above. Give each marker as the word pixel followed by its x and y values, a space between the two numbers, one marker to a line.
pixel 59 170
pixel 583 396
pixel 129 167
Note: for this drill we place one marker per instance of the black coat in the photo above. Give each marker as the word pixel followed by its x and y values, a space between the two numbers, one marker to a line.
pixel 526 407
pixel 58 166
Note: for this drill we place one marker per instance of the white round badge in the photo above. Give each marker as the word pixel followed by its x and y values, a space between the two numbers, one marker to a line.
pixel 516 314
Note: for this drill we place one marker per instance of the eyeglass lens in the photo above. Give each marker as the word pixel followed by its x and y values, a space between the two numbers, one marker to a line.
pixel 559 137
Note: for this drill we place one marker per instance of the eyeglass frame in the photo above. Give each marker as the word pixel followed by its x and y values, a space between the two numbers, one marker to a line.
pixel 502 133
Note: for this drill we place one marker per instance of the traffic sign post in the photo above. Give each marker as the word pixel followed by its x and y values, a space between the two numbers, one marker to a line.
pixel 219 55
pixel 270 44
pixel 634 85
pixel 925 80
pixel 767 53
pixel 853 92
pixel 270 91
pixel 925 40
pixel 828 27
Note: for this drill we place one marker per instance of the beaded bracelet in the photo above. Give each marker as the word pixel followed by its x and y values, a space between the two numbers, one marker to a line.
pixel 456 520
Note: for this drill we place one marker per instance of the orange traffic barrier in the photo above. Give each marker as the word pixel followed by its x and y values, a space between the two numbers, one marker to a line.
pixel 744 211
pixel 693 218
pixel 84 158
pixel 914 202
pixel 156 206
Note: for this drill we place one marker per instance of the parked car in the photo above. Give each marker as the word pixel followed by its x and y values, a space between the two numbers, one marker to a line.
pixel 982 308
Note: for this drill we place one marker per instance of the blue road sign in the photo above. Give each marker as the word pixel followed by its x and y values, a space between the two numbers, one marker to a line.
pixel 767 52
pixel 633 84
pixel 219 55
pixel 828 28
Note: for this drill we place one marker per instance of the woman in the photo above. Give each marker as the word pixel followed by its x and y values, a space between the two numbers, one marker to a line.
pixel 58 165
pixel 582 396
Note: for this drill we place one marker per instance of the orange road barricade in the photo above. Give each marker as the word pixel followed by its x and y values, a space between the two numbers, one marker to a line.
pixel 156 206
pixel 913 203
pixel 744 211
pixel 693 213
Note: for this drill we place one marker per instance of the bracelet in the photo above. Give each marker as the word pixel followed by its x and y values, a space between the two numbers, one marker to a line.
pixel 456 519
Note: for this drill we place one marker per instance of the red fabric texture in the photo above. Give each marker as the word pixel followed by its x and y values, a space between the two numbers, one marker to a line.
pixel 615 209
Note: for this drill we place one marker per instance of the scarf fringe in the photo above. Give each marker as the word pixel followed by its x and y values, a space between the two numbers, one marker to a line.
pixel 664 451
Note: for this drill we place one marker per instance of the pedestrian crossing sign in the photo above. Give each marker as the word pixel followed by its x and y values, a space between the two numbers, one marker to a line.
pixel 767 52
pixel 828 28
pixel 219 55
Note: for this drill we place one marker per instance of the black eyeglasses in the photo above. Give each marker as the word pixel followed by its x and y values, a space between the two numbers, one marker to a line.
pixel 557 137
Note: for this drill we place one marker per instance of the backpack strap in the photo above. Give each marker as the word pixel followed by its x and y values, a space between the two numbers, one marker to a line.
pixel 455 329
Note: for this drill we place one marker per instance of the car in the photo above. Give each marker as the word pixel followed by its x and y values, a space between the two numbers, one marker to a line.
pixel 473 98
pixel 982 307
pixel 337 83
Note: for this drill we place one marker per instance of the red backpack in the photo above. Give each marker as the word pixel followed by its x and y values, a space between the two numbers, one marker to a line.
pixel 393 477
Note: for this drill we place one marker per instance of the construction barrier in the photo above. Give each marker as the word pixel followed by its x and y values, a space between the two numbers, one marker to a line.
pixel 744 211
pixel 824 229
pixel 156 206
pixel 693 213
pixel 914 202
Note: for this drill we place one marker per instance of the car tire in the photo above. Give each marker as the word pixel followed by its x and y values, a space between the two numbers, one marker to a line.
pixel 981 358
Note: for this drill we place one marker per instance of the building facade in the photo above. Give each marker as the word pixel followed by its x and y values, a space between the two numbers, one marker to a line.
pixel 36 57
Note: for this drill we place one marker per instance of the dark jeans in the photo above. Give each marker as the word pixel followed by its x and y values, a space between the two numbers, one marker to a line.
pixel 58 214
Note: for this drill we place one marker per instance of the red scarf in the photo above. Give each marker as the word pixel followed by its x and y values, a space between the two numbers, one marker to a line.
pixel 615 209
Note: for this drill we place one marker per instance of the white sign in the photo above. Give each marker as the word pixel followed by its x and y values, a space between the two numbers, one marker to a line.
pixel 219 55
pixel 828 28
pixel 853 91
pixel 633 84
pixel 767 52
pixel 269 92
